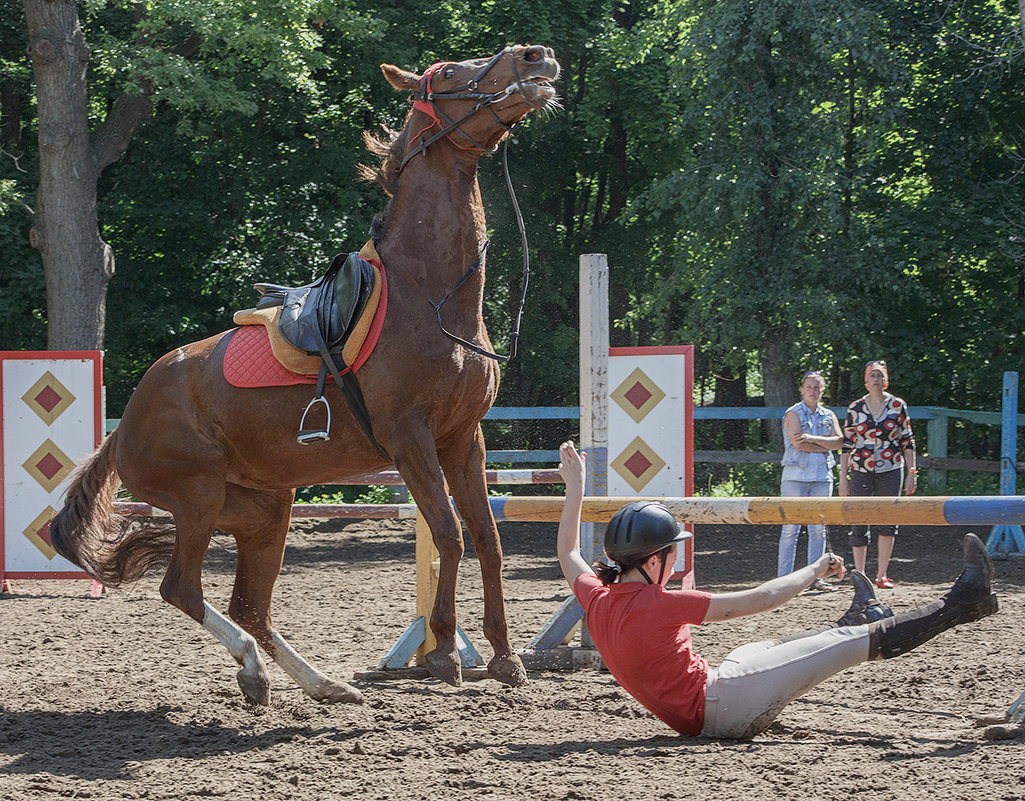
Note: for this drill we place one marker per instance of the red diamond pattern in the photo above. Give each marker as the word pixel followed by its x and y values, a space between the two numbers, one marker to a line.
pixel 637 464
pixel 638 395
pixel 48 398
pixel 49 465
pixel 44 533
pixel 38 532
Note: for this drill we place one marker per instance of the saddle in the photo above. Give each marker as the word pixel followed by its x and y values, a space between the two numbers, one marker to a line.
pixel 317 319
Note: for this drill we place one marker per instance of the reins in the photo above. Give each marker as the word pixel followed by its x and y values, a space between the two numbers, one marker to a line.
pixel 425 102
pixel 514 335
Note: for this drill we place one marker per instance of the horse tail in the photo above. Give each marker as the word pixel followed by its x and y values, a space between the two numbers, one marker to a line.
pixel 88 531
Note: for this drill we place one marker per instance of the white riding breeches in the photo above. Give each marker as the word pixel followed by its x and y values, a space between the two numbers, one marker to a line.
pixel 755 681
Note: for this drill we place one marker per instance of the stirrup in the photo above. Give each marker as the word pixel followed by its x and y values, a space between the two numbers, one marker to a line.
pixel 306 436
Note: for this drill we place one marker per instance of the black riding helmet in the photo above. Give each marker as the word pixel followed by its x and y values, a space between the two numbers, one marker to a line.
pixel 640 529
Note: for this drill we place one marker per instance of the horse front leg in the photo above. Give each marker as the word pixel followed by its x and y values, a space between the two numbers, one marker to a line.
pixel 421 471
pixel 464 469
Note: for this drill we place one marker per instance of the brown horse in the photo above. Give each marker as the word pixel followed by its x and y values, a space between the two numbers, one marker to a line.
pixel 217 456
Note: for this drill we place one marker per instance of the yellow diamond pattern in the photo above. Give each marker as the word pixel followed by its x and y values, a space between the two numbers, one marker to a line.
pixel 38 532
pixel 637 464
pixel 48 398
pixel 48 465
pixel 637 395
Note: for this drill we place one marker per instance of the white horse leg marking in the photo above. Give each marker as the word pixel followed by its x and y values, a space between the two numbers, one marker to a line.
pixel 240 645
pixel 314 683
pixel 253 677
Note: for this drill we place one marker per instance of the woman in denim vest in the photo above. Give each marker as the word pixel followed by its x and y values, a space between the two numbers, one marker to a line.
pixel 811 434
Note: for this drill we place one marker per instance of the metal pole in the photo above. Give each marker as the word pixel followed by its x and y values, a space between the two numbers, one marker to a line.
pixel 1008 538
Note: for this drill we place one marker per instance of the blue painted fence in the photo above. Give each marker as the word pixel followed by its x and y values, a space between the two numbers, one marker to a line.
pixel 936 418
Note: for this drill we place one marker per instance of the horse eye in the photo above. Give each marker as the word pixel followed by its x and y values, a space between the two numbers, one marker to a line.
pixel 449 73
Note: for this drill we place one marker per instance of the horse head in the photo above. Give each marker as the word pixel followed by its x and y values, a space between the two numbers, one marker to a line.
pixel 475 103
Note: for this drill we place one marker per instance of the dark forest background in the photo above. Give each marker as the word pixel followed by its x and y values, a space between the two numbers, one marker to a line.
pixel 785 185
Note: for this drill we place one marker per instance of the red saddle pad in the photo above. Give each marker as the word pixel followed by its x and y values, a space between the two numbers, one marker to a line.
pixel 249 361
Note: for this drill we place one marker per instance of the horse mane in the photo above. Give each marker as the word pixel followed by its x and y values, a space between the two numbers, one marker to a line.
pixel 391 150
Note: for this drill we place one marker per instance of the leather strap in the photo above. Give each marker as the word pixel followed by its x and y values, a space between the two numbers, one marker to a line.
pixel 349 387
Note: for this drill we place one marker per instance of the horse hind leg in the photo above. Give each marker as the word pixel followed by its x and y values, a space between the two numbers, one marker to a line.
pixel 182 585
pixel 259 521
pixel 252 677
pixel 468 484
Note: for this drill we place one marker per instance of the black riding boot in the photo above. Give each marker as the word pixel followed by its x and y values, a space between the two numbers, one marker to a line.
pixel 866 607
pixel 971 598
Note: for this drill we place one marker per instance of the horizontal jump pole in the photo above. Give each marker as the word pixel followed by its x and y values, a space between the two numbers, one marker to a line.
pixel 352 511
pixel 928 511
pixel 988 510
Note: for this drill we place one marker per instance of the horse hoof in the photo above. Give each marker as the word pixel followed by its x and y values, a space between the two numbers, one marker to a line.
pixel 445 666
pixel 508 669
pixel 338 692
pixel 256 689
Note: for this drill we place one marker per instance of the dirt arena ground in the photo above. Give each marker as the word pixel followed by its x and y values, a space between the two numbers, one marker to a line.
pixel 123 697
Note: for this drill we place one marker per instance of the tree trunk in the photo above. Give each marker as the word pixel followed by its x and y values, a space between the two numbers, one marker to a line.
pixel 77 263
pixel 776 376
pixel 732 392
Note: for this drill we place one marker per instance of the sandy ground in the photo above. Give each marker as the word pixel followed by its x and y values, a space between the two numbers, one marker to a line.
pixel 124 697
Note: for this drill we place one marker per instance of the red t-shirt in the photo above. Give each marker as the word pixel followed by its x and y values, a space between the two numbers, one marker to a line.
pixel 642 634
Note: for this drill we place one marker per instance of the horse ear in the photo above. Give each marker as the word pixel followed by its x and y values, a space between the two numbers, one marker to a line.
pixel 401 79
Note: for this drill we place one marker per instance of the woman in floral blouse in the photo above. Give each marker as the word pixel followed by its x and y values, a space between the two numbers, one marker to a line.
pixel 877 444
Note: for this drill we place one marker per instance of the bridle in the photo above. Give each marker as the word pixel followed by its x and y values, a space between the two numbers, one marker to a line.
pixel 425 102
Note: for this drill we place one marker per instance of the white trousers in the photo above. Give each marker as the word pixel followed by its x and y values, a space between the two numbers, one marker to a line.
pixel 755 681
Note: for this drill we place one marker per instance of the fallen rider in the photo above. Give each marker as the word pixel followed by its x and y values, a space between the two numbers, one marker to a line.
pixel 642 630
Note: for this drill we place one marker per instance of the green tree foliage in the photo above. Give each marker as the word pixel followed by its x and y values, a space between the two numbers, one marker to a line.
pixel 22 289
pixel 204 207
pixel 782 183
pixel 850 190
pixel 782 105
pixel 949 212
pixel 577 174
pixel 198 61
